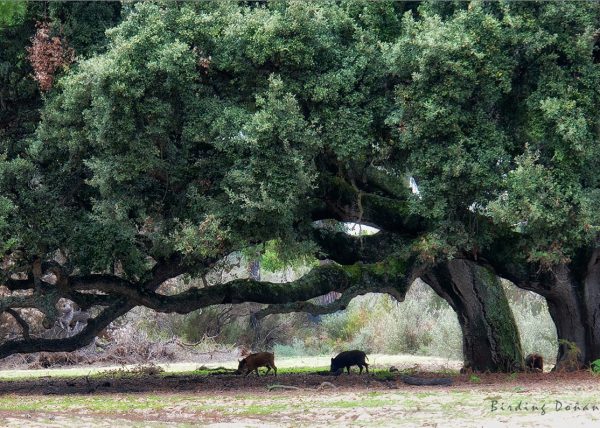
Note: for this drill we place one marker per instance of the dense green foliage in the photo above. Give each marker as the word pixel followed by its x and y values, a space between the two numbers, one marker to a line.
pixel 190 130
pixel 205 123
pixel 11 13
pixel 496 118
pixel 184 132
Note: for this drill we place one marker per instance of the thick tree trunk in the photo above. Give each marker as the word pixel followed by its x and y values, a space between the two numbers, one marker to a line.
pixel 574 304
pixel 490 336
pixel 591 300
pixel 564 306
pixel 572 293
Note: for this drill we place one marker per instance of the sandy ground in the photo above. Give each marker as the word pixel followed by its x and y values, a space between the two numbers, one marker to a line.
pixel 171 399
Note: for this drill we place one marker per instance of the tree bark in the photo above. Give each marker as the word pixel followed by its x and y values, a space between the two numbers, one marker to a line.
pixel 564 306
pixel 490 336
pixel 572 293
pixel 591 300
pixel 574 304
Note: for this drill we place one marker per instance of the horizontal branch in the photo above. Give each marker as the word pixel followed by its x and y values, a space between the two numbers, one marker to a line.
pixel 87 300
pixel 44 302
pixel 314 309
pixel 18 284
pixel 166 269
pixel 506 263
pixel 392 276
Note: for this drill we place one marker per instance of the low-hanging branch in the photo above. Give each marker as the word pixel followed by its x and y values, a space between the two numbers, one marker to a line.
pixel 101 289
pixel 84 337
pixel 391 275
pixel 118 295
pixel 314 309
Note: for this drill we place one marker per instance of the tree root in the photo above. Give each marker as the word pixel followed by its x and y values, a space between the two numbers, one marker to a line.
pixel 326 384
pixel 277 386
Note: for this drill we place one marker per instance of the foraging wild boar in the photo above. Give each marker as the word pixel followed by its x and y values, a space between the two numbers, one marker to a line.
pixel 253 361
pixel 349 358
pixel 534 363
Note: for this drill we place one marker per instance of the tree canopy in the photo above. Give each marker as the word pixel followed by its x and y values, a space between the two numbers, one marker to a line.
pixel 188 131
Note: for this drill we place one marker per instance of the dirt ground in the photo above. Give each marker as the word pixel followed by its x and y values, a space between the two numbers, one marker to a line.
pixel 210 384
pixel 530 399
pixel 218 383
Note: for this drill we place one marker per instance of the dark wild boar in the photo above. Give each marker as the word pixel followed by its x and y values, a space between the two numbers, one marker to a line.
pixel 253 361
pixel 349 358
pixel 534 363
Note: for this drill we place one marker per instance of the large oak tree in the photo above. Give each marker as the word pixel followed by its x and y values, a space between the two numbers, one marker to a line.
pixel 208 128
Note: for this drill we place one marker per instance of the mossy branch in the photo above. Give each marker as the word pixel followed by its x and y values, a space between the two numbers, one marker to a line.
pixel 312 308
pixel 84 337
pixel 391 276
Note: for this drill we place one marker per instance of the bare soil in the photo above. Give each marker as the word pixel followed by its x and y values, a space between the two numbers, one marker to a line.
pixel 218 383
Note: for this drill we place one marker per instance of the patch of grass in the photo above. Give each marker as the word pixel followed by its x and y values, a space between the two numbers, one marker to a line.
pixel 464 406
pixel 423 394
pixel 595 367
pixel 474 379
pixel 385 375
pixel 118 403
pixel 302 370
pixel 252 397
pixel 264 409
pixel 139 370
pixel 207 372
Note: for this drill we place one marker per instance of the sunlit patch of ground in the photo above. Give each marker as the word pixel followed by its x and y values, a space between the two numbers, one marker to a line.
pixel 377 360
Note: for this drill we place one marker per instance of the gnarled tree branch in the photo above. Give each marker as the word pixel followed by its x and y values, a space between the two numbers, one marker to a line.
pixel 337 305
pixel 393 275
pixel 21 322
pixel 84 337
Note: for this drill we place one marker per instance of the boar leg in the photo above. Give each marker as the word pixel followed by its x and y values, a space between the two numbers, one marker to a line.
pixel 360 367
pixel 268 370
pixel 348 368
pixel 366 367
